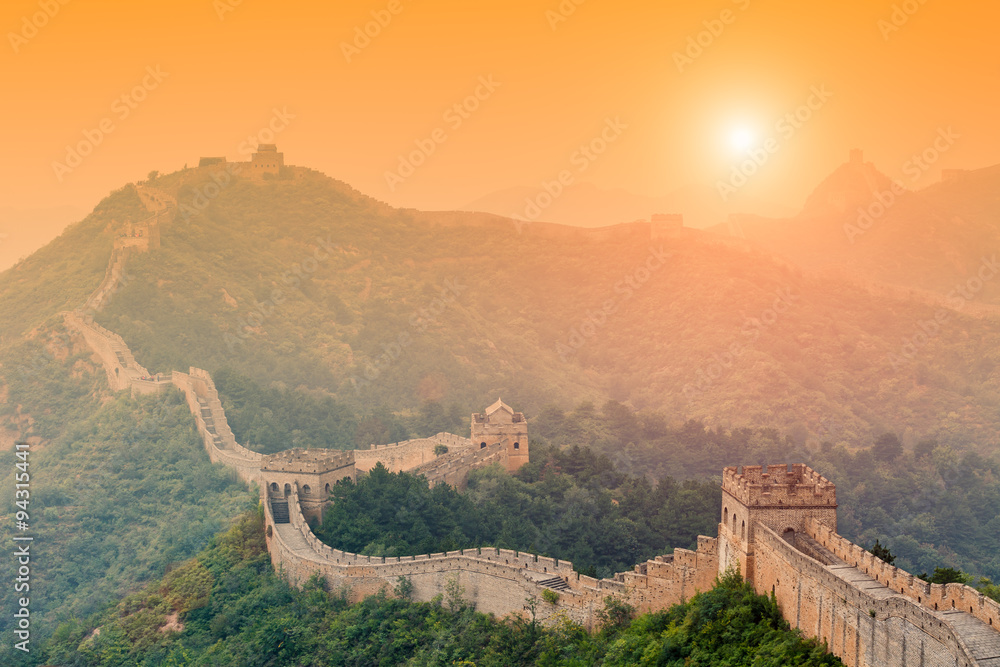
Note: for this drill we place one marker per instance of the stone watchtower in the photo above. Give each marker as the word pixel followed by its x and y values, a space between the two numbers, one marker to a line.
pixel 781 497
pixel 500 424
pixel 315 471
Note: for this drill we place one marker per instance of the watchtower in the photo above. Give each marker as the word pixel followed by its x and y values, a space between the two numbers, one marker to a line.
pixel 500 424
pixel 781 497
pixel 315 471
pixel 266 160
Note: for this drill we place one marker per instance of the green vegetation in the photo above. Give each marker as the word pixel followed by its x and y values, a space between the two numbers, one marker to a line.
pixel 882 552
pixel 227 608
pixel 116 498
pixel 274 419
pixel 63 274
pixel 305 282
pixel 930 505
pixel 568 504
pixel 946 575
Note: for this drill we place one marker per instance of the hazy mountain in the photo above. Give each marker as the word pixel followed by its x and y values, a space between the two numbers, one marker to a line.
pixel 23 231
pixel 302 282
pixel 587 205
pixel 857 224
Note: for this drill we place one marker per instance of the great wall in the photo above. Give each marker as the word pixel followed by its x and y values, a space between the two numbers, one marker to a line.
pixel 778 526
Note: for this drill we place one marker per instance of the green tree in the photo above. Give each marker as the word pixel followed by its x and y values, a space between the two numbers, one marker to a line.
pixel 882 552
pixel 887 447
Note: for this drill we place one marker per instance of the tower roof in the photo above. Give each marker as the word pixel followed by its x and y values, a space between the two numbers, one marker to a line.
pixel 499 405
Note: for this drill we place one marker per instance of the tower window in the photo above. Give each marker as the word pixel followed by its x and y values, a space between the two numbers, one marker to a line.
pixel 517 445
pixel 482 445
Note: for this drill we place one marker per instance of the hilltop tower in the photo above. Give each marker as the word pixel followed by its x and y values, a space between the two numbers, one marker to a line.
pixel 857 157
pixel 500 424
pixel 267 160
pixel 781 497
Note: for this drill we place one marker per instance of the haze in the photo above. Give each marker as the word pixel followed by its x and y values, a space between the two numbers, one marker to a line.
pixel 559 74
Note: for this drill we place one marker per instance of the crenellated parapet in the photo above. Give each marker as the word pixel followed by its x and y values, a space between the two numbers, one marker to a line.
pixel 495 580
pixel 937 597
pixel 779 484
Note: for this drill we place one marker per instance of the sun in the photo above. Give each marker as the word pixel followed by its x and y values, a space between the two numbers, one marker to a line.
pixel 742 138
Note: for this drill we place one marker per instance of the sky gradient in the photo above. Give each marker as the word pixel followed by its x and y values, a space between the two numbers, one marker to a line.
pixel 557 78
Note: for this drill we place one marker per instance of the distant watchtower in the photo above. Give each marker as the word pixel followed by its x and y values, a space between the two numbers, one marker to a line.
pixel 782 498
pixel 500 424
pixel 267 160
pixel 857 156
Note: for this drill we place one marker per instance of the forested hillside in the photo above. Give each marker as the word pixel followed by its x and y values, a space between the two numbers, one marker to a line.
pixel 226 607
pixel 302 282
pixel 331 320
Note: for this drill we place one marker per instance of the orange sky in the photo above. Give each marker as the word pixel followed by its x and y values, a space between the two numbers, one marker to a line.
pixel 557 88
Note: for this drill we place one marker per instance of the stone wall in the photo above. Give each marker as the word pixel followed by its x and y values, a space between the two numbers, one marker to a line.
pixel 497 581
pixel 410 454
pixel 863 629
pixel 220 445
pixel 454 467
pixel 932 596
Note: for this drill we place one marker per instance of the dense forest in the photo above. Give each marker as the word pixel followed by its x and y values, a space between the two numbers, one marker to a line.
pixel 568 504
pixel 226 607
pixel 935 505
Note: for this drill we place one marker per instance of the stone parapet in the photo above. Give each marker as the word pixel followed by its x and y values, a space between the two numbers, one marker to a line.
pixel 779 485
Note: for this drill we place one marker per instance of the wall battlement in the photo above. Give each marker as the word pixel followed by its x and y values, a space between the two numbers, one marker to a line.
pixel 307 460
pixel 778 485
pixel 936 597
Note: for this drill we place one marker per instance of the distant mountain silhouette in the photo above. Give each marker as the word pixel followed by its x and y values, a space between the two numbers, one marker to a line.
pixel 587 205
pixel 856 223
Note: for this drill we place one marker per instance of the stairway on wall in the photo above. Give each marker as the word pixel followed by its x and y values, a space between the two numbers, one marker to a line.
pixel 279 509
pixel 555 583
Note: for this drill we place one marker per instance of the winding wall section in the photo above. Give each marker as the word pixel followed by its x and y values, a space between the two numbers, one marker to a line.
pixel 826 586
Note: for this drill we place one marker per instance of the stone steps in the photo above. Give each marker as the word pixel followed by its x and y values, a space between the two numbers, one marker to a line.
pixel 555 583
pixel 279 509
